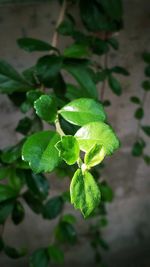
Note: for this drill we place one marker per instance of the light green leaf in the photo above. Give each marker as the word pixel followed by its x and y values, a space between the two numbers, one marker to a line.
pixel 76 51
pixel 83 77
pixel 85 194
pixel 97 133
pixel 94 156
pixel 82 111
pixel 45 107
pixel 68 149
pixel 39 150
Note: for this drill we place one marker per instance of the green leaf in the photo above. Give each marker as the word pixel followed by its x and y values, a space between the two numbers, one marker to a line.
pixel 33 202
pixel 146 130
pixel 45 107
pixel 114 43
pixel 68 149
pixel 106 192
pixel 53 208
pixel 76 51
pixel 66 27
pixel 47 68
pixel 4 172
pixel 39 150
pixel 106 103
pixel 10 155
pixel 146 85
pixel 82 75
pixel 6 208
pixel 66 233
pixel 147 159
pixel 94 156
pixel 39 258
pixel 33 95
pixel 115 85
pixel 69 218
pixel 15 253
pixel 135 100
pixel 31 45
pixel 38 185
pixel 6 192
pixel 113 8
pixel 139 113
pixel 137 149
pixel 146 57
pixel 85 194
pixel 97 133
pixel 82 111
pixel 9 72
pixel 120 70
pixel 56 254
pixel 147 71
pixel 24 126
pixel 18 213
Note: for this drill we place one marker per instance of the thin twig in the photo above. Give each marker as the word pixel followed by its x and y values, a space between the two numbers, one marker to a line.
pixel 59 21
pixel 102 91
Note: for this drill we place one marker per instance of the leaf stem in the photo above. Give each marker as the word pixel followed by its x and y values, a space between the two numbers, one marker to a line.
pixel 102 90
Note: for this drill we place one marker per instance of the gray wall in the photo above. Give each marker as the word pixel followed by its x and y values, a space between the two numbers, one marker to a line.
pixel 129 230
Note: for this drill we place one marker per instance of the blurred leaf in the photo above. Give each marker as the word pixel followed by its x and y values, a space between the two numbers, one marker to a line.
pixel 106 192
pixel 147 71
pixel 39 258
pixel 137 149
pixel 113 42
pixel 115 85
pixel 33 95
pixel 6 208
pixel 18 213
pixel 31 45
pixel 56 254
pixel 65 232
pixel 146 130
pixel 33 202
pixel 146 85
pixel 7 192
pixel 146 159
pixel 9 155
pixel 76 50
pixel 120 70
pixel 53 207
pixel 139 113
pixel 24 126
pixel 14 253
pixel 135 100
pixel 4 172
pixel 146 57
pixel 69 218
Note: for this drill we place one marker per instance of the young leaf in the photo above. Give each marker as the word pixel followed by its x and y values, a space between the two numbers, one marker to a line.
pixel 53 208
pixel 146 130
pixel 45 107
pixel 81 74
pixel 56 254
pixel 31 45
pixel 97 133
pixel 39 150
pixel 68 149
pixel 135 100
pixel 76 51
pixel 82 111
pixel 139 113
pixel 39 258
pixel 94 156
pixel 85 194
pixel 115 85
pixel 18 213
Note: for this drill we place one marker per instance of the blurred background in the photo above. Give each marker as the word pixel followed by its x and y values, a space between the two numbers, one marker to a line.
pixel 128 232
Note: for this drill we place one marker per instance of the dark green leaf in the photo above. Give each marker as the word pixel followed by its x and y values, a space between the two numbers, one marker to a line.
pixel 97 133
pixel 18 213
pixel 146 85
pixel 45 107
pixel 53 207
pixel 139 113
pixel 4 172
pixel 24 126
pixel 66 27
pixel 113 8
pixel 114 43
pixel 137 149
pixel 38 185
pixel 9 155
pixel 76 50
pixel 146 159
pixel 146 57
pixel 147 71
pixel 135 100
pixel 39 150
pixel 106 192
pixel 120 70
pixel 33 95
pixel 85 194
pixel 65 232
pixel 6 192
pixel 39 258
pixel 56 254
pixel 48 67
pixel 82 111
pixel 68 149
pixel 115 85
pixel 9 72
pixel 106 103
pixel 146 130
pixel 14 253
pixel 31 45
pixel 6 208
pixel 33 202
pixel 69 218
